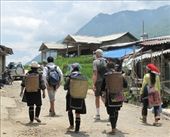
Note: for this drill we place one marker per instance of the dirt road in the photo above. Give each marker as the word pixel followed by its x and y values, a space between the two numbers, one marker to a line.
pixel 14 119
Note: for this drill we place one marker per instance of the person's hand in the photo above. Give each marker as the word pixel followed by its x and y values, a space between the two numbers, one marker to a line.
pixel 43 94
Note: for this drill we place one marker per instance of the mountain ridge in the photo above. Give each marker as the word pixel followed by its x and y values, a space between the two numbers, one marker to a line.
pixel 129 21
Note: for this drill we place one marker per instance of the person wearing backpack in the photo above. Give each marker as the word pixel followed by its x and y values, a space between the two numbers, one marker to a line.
pixel 73 102
pixel 99 69
pixel 31 87
pixel 150 93
pixel 112 90
pixel 53 76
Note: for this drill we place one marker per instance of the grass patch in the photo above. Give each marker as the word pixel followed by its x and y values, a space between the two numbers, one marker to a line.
pixel 86 63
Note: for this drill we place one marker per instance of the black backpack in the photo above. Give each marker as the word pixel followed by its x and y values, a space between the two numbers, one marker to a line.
pixel 53 76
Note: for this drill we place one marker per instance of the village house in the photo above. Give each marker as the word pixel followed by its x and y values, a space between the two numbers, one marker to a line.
pixel 53 49
pixel 76 45
pixel 156 51
pixel 87 44
pixel 4 51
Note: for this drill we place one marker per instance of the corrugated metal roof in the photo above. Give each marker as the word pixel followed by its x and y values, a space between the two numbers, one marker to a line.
pixel 153 54
pixel 111 37
pixel 156 41
pixel 96 40
pixel 57 46
pixel 85 39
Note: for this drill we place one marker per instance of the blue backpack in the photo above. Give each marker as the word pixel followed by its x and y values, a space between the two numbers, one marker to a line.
pixel 53 76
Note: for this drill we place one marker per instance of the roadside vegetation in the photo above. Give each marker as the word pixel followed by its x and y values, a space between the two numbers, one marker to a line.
pixel 84 61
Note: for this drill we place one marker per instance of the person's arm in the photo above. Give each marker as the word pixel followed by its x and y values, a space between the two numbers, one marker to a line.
pixel 60 73
pixel 94 79
pixel 158 84
pixel 22 87
pixel 42 85
pixel 94 76
pixel 145 81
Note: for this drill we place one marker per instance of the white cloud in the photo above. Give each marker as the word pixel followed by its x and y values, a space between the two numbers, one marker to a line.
pixel 25 25
pixel 22 22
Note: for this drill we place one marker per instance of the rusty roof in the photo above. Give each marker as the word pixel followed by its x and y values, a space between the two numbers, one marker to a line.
pixel 156 41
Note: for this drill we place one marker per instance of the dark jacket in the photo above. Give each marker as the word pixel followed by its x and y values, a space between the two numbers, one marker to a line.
pixel 74 103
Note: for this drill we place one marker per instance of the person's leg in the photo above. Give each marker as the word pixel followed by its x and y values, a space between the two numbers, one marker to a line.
pixel 71 119
pixel 31 113
pixel 113 120
pixel 77 122
pixel 97 100
pixel 145 111
pixel 97 103
pixel 156 114
pixel 37 113
pixel 51 95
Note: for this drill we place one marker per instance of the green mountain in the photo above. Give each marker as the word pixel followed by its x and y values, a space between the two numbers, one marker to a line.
pixel 156 23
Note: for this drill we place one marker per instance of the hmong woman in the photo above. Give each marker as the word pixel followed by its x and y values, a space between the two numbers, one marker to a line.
pixel 34 97
pixel 73 103
pixel 113 101
pixel 151 89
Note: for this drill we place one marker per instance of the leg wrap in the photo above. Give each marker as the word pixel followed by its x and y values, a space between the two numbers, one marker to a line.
pixel 113 119
pixel 31 113
pixel 77 124
pixel 37 111
pixel 71 118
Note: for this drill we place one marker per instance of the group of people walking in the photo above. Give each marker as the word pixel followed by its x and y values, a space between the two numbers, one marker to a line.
pixel 108 85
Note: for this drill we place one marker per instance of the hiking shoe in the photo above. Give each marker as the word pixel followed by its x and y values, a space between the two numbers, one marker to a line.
pixel 143 119
pixel 97 117
pixel 37 119
pixel 52 114
pixel 156 124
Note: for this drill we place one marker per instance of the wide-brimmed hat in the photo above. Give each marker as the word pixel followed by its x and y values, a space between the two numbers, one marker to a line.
pixel 34 64
pixel 99 52
pixel 153 68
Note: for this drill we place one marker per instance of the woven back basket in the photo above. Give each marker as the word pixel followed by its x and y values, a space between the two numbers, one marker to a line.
pixel 32 82
pixel 114 82
pixel 78 88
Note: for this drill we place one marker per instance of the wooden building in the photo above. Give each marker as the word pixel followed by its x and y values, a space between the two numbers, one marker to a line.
pixel 156 51
pixel 87 44
pixel 4 51
pixel 84 45
pixel 53 49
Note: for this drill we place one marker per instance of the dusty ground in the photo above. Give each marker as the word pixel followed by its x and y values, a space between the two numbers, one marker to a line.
pixel 14 119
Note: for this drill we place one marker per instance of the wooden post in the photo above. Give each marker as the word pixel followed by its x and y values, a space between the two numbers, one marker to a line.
pixel 151 57
pixel 161 69
pixel 141 65
pixel 67 49
pixel 78 49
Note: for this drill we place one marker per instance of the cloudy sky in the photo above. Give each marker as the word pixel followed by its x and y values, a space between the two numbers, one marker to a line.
pixel 26 24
